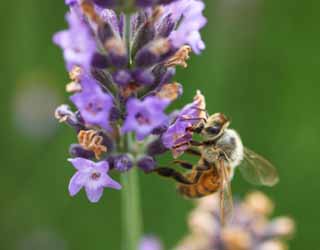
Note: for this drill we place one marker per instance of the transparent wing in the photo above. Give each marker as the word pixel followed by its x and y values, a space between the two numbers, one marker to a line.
pixel 257 170
pixel 226 201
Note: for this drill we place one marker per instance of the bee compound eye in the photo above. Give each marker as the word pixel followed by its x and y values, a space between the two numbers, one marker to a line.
pixel 214 129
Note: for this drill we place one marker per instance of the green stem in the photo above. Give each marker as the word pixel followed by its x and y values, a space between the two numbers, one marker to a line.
pixel 131 215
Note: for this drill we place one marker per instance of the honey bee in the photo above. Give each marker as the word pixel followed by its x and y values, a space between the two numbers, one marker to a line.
pixel 221 151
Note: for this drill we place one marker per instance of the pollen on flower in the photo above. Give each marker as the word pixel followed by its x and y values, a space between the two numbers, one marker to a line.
pixel 75 73
pixel 73 87
pixel 180 57
pixel 89 10
pixel 170 91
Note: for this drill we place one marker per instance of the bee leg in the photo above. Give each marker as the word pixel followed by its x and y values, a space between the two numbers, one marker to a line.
pixel 202 168
pixel 183 164
pixel 171 173
pixel 190 143
pixel 192 151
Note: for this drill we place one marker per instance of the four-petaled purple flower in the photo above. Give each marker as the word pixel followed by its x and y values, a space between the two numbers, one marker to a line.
pixel 144 116
pixel 93 177
pixel 77 42
pixel 93 104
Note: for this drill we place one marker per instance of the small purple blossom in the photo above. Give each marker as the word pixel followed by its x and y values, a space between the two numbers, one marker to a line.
pixel 77 42
pixel 192 20
pixel 92 176
pixel 123 162
pixel 150 243
pixel 177 132
pixel 144 116
pixel 146 163
pixel 93 104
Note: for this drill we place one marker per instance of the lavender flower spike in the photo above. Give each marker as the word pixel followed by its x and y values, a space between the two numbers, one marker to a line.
pixel 92 176
pixel 144 116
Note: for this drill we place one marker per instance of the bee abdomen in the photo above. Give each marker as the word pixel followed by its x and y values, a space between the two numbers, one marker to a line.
pixel 204 187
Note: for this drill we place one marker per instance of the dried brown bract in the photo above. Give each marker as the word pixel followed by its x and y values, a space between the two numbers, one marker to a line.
pixel 91 140
pixel 180 57
pixel 170 91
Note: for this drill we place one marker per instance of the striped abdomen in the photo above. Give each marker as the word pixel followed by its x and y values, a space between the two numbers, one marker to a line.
pixel 208 183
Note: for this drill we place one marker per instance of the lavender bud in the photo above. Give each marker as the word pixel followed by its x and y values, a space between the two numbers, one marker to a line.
pixel 146 163
pixel 145 57
pixel 153 52
pixel 105 3
pixel 110 161
pixel 123 163
pixel 280 227
pixel 144 77
pixel 75 150
pixel 160 130
pixel 64 114
pixel 144 3
pixel 122 77
pixel 105 32
pixel 144 35
pixel 119 61
pixel 100 61
pixel 156 148
pixel 114 114
pixel 107 141
pixel 163 75
pixel 165 27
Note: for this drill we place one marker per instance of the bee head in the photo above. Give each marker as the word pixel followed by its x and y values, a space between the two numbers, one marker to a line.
pixel 215 126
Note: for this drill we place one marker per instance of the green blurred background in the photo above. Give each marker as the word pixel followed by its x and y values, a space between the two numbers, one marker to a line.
pixel 261 68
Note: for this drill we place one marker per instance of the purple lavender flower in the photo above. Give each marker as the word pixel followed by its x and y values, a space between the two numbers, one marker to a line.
pixel 144 116
pixel 250 227
pixel 121 69
pixel 177 134
pixel 77 42
pixel 150 243
pixel 93 104
pixel 192 20
pixel 146 163
pixel 123 162
pixel 138 3
pixel 93 177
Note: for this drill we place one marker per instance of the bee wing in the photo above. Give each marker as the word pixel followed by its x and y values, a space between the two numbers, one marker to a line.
pixel 257 170
pixel 226 201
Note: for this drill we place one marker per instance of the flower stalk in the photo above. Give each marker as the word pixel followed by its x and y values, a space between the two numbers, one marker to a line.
pixel 130 202
pixel 131 216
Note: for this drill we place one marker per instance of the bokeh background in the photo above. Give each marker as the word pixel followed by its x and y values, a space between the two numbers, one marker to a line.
pixel 261 68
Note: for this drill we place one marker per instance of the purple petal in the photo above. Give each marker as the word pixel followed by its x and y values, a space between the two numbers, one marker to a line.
pixel 94 195
pixel 74 185
pixel 108 182
pixel 102 166
pixel 80 163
